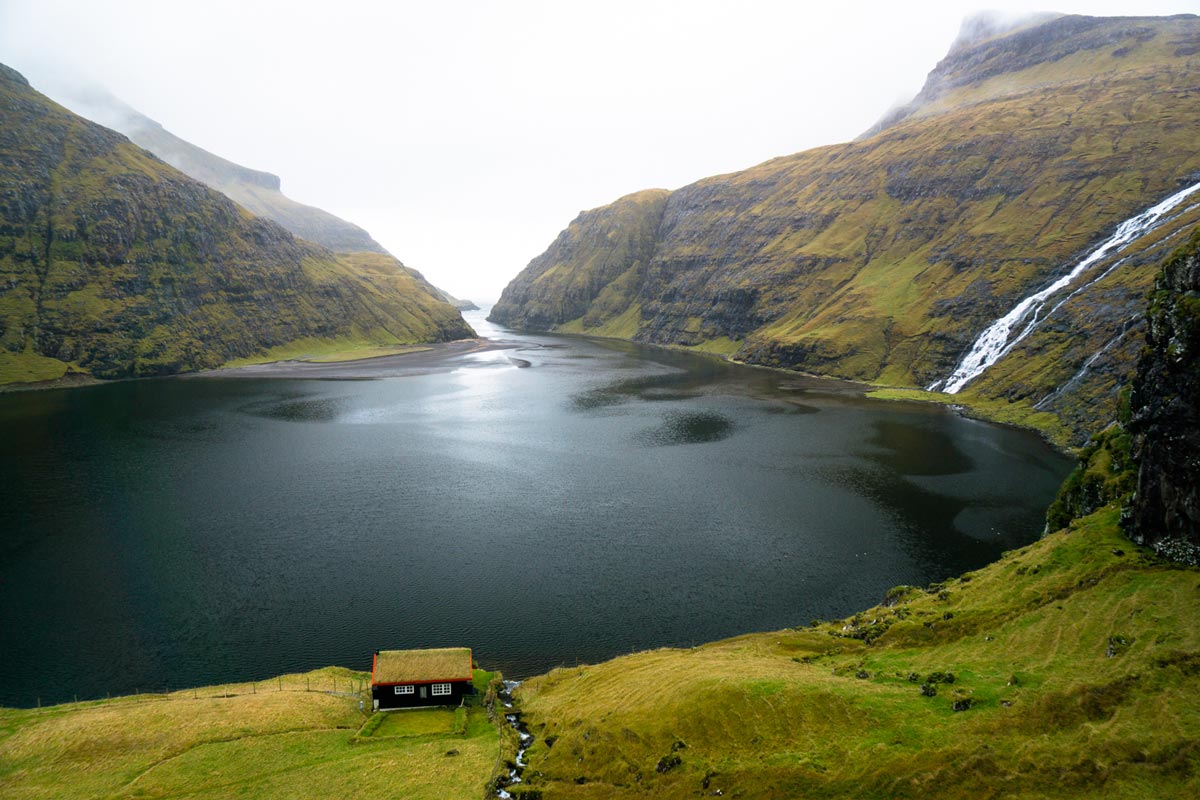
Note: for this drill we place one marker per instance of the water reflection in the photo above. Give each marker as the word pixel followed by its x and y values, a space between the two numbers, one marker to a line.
pixel 663 386
pixel 912 448
pixel 201 531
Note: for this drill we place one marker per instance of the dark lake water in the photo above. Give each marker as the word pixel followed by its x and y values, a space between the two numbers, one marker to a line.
pixel 561 503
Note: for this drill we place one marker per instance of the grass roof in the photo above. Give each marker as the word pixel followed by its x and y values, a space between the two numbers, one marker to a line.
pixel 415 666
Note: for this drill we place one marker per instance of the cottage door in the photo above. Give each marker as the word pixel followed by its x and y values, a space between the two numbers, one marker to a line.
pixel 423 690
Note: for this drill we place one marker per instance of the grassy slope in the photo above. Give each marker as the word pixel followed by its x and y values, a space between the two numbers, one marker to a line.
pixel 113 263
pixel 817 712
pixel 586 279
pixel 880 260
pixel 267 744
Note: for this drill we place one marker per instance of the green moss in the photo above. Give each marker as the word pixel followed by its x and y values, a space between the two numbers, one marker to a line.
pixel 722 346
pixel 1105 474
pixel 623 326
pixel 30 368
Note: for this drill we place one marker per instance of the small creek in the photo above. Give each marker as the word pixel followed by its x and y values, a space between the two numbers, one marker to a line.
pixel 524 738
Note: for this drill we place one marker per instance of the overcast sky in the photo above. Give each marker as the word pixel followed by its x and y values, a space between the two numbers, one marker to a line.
pixel 465 135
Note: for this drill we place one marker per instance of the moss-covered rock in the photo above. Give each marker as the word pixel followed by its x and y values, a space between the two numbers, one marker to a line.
pixel 1165 415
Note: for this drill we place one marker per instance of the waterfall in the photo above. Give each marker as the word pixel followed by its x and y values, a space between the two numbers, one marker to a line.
pixel 995 340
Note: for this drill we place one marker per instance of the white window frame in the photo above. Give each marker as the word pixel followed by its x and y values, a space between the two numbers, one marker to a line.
pixel 439 689
pixel 405 689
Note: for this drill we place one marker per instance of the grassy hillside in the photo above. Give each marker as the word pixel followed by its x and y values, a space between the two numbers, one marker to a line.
pixel 882 259
pixel 1075 660
pixel 113 263
pixel 587 279
pixel 288 737
pixel 1069 668
pixel 255 190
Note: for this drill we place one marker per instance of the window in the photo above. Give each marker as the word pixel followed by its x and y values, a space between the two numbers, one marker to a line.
pixel 439 688
pixel 404 690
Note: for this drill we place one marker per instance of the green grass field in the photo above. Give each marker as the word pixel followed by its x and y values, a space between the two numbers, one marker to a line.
pixel 1069 668
pixel 1075 663
pixel 272 739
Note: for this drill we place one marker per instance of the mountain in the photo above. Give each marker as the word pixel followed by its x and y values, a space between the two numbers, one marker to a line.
pixel 116 264
pixel 885 259
pixel 256 191
pixel 1070 668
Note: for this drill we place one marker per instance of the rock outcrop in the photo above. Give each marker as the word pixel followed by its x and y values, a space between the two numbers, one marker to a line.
pixel 1164 420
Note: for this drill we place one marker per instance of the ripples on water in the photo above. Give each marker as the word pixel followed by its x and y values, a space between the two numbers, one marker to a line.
pixel 691 427
pixel 603 498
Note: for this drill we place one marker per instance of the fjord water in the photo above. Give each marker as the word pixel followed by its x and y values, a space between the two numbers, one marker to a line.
pixel 565 501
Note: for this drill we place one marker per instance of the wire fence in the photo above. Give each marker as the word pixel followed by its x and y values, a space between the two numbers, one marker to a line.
pixel 350 686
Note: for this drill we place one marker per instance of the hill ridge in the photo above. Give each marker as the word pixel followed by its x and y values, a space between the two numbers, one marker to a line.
pixel 882 259
pixel 114 264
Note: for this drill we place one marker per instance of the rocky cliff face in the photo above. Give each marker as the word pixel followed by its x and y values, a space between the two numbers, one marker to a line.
pixel 114 263
pixel 1165 415
pixel 591 271
pixel 883 259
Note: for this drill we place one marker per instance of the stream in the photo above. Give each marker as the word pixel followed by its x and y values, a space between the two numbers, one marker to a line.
pixel 524 738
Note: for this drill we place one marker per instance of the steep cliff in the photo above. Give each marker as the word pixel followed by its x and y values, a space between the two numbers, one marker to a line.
pixel 883 259
pixel 592 271
pixel 257 191
pixel 115 264
pixel 1165 415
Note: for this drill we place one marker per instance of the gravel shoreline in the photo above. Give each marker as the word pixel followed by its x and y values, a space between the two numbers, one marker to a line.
pixel 436 357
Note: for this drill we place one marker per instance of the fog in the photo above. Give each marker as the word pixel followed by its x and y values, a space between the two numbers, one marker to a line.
pixel 465 135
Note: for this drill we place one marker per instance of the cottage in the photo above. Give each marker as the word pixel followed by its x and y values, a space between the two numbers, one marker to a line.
pixel 408 678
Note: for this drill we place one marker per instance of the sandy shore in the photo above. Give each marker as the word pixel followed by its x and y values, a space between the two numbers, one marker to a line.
pixel 438 357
